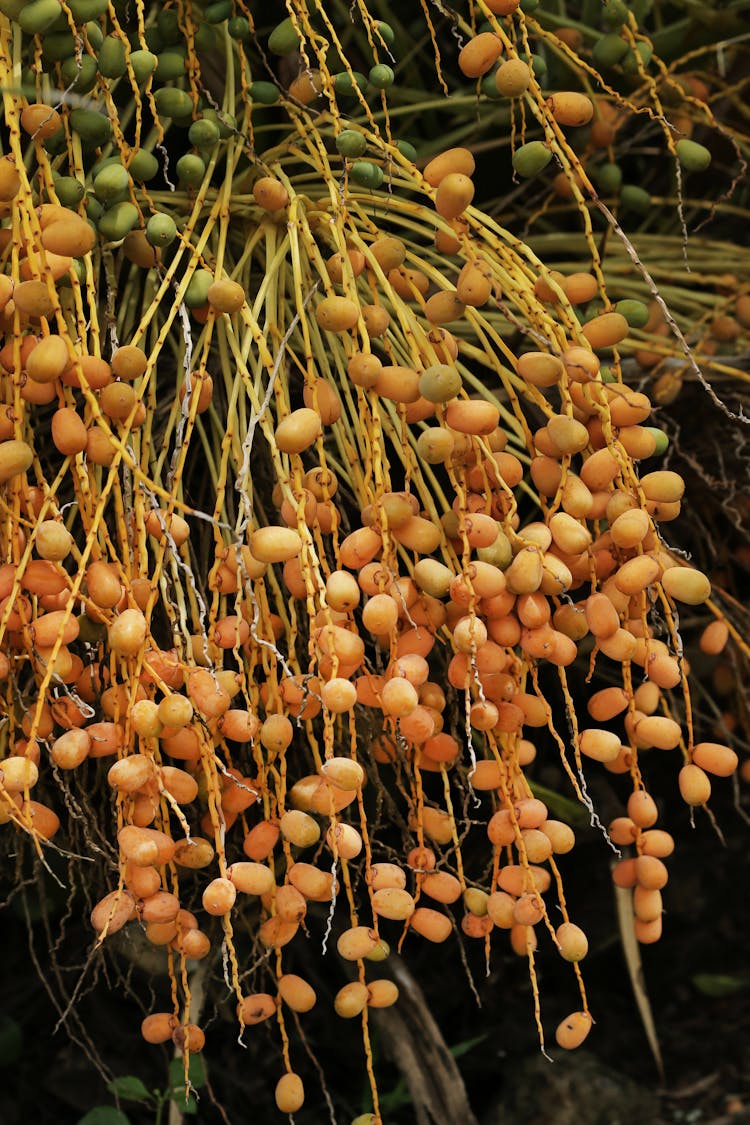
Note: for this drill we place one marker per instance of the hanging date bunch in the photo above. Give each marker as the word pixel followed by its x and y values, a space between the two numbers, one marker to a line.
pixel 319 490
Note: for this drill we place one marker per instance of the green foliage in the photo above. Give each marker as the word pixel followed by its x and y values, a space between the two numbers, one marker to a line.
pixel 719 985
pixel 196 1073
pixel 104 1115
pixel 130 1088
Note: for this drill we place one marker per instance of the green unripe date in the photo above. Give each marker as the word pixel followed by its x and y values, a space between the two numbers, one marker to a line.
pixel 692 156
pixel 350 143
pixel 191 170
pixel 170 65
pixel 366 174
pixel 69 190
pixel 531 159
pixel 143 64
pixel 385 32
pixel 85 10
pixel 635 198
pixel 12 8
pixel 643 52
pixel 224 122
pixel 265 93
pixel 81 78
pixel 609 178
pixel 143 165
pixel 58 46
pixel 284 39
pixel 118 221
pixel 203 133
pixel 161 230
pixel 407 150
pixel 112 57
pixel 94 34
pixel 439 383
pixel 218 12
pixel 111 182
pixel 662 441
pixel 174 103
pixel 609 50
pixel 345 87
pixel 36 18
pixel 239 29
pixel 207 37
pixel 92 127
pixel 381 76
pixel 614 13
pixel 151 40
pixel 488 87
pixel 539 66
pixel 196 294
pixel 635 312
pixel 168 25
pixel 94 209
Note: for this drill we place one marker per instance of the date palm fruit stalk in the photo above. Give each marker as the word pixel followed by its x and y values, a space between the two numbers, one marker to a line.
pixel 313 478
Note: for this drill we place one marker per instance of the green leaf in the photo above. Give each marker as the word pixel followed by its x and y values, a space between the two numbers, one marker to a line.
pixel 196 1072
pixel 718 985
pixel 467 1045
pixel 129 1088
pixel 189 1104
pixel 395 1099
pixel 562 807
pixel 104 1115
